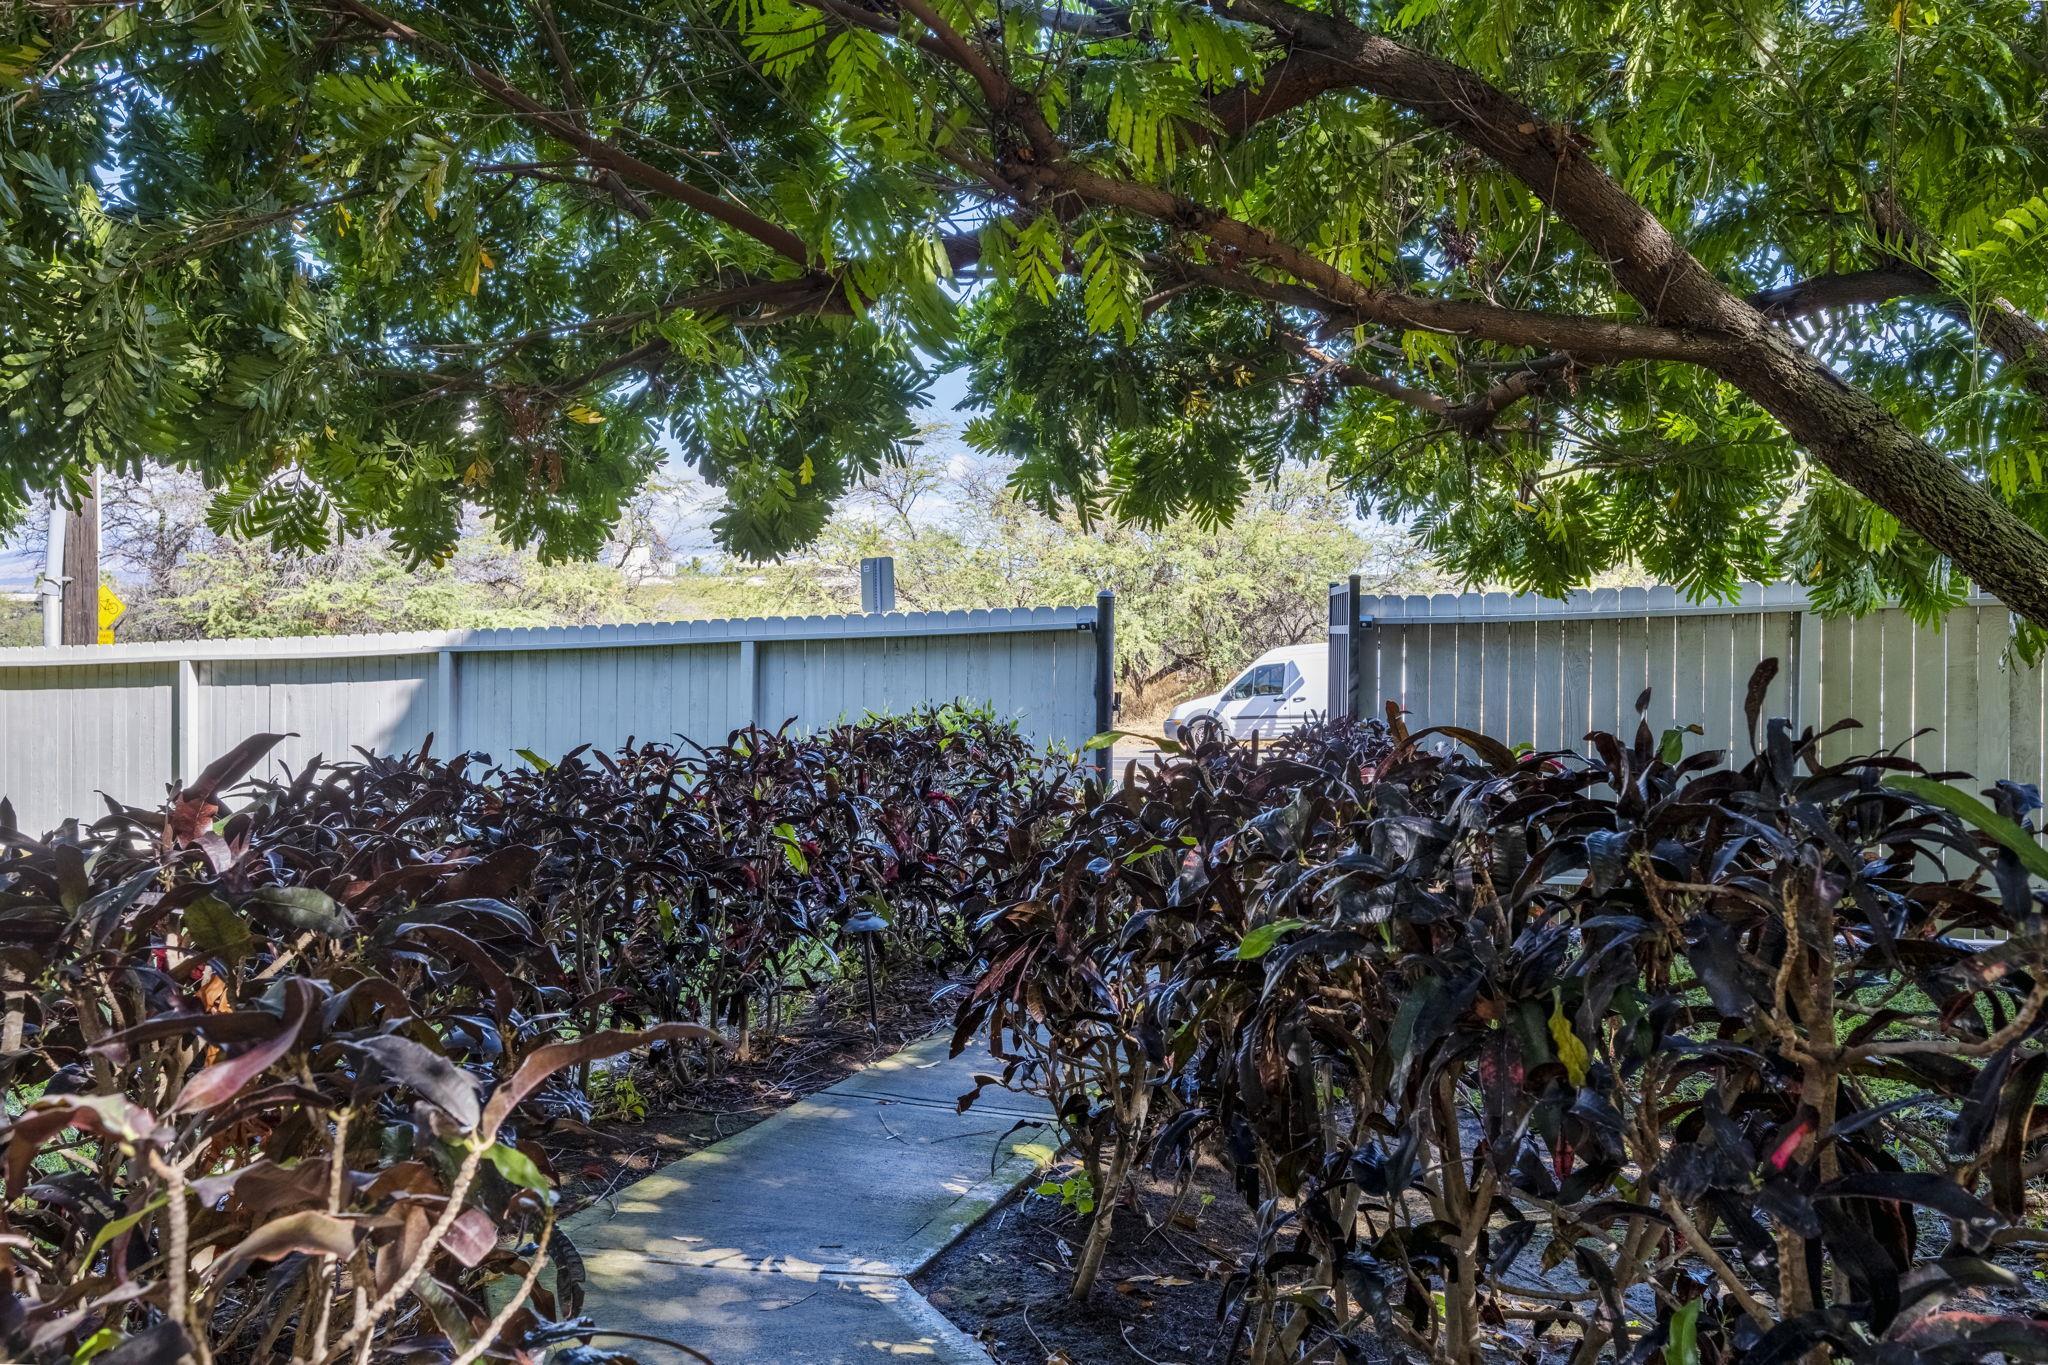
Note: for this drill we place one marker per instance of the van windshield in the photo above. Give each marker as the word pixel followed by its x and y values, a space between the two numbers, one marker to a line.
pixel 1261 680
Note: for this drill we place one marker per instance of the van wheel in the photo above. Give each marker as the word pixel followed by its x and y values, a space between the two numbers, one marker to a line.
pixel 1203 731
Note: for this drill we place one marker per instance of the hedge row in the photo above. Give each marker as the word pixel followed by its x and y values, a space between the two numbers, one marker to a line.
pixel 1641 1055
pixel 273 1065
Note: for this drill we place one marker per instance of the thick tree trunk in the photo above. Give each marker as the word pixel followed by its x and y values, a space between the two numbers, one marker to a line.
pixel 1867 448
pixel 1856 438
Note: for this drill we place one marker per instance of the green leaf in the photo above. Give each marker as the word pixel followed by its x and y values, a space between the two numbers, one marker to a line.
pixel 1260 941
pixel 1671 747
pixel 99 1343
pixel 792 848
pixel 1682 1339
pixel 517 1167
pixel 535 761
pixel 1967 807
pixel 214 927
pixel 302 907
pixel 116 1226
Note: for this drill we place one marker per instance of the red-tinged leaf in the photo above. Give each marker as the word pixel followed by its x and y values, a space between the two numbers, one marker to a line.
pixel 421 1069
pixel 1928 1189
pixel 111 1115
pixel 187 820
pixel 1497 755
pixel 493 878
pixel 265 1187
pixel 1753 698
pixel 309 1232
pixel 453 942
pixel 1789 1141
pixel 222 1081
pixel 1978 1334
pixel 544 1062
pixel 224 1029
pixel 231 767
pixel 373 999
pixel 471 1237
pixel 219 853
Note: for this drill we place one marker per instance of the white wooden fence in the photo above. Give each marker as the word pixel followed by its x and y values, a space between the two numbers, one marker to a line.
pixel 129 719
pixel 1544 672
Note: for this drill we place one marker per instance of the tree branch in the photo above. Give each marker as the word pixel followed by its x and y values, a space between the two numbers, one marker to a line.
pixel 2018 340
pixel 1850 289
pixel 1351 375
pixel 995 87
pixel 1856 438
pixel 1341 298
pixel 606 155
pixel 578 109
pixel 1099 22
pixel 1287 84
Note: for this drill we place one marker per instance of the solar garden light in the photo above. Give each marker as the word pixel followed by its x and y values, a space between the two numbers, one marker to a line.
pixel 867 924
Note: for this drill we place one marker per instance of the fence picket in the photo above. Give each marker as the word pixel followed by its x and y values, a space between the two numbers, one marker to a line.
pixel 1545 672
pixel 125 718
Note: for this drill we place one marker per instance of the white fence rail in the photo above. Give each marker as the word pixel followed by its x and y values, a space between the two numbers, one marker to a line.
pixel 127 720
pixel 1544 672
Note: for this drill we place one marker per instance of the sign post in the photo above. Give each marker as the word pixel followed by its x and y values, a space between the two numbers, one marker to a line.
pixel 112 609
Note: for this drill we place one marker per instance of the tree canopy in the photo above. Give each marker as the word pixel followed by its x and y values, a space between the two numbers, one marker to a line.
pixel 1742 291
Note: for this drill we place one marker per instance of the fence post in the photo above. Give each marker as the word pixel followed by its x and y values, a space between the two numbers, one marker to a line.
pixel 1804 694
pixel 1364 662
pixel 750 680
pixel 1105 677
pixel 444 700
pixel 878 584
pixel 1341 701
pixel 185 723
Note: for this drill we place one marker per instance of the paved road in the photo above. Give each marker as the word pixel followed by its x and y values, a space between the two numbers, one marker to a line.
pixel 793 1241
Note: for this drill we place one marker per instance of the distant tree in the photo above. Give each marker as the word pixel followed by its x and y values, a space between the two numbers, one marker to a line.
pixel 21 623
pixel 183 579
pixel 1723 291
pixel 1197 599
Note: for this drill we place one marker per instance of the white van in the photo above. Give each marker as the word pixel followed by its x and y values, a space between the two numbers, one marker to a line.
pixel 1276 694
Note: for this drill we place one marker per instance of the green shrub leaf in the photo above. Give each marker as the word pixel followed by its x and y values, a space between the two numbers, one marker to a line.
pixel 1260 941
pixel 1967 807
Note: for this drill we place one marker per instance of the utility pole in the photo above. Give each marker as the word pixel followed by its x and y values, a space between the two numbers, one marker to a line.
pixel 51 585
pixel 71 573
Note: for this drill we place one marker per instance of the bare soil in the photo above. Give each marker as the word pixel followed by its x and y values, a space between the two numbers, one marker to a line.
pixel 826 1040
pixel 1006 1282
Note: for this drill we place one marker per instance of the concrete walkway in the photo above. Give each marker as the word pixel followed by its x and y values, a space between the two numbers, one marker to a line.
pixel 792 1241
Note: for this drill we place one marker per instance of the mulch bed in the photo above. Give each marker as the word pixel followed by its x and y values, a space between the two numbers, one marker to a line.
pixel 827 1040
pixel 1006 1282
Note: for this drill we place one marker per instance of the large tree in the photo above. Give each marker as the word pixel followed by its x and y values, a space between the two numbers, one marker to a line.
pixel 1741 289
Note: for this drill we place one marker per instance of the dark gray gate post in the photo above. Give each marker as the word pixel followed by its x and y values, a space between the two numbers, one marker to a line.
pixel 1340 700
pixel 1364 658
pixel 1105 677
